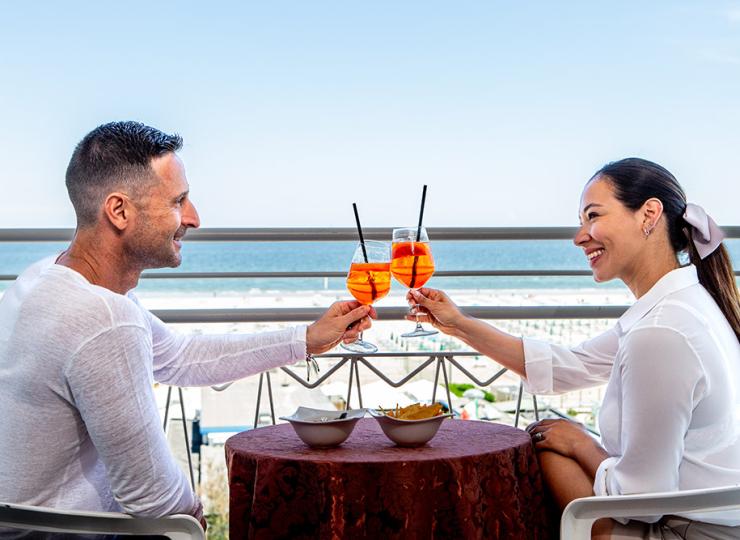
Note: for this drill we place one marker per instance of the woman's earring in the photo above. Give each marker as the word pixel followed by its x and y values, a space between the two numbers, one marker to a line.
pixel 646 231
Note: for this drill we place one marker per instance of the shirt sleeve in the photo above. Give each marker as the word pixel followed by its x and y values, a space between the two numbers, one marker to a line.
pixel 203 360
pixel 553 369
pixel 111 385
pixel 662 379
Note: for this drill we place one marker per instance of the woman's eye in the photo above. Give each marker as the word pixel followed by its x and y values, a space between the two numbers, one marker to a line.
pixel 592 215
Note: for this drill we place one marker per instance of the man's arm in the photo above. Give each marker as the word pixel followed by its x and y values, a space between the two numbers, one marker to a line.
pixel 112 389
pixel 201 360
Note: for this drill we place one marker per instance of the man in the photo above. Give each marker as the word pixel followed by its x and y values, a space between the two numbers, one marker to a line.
pixel 78 354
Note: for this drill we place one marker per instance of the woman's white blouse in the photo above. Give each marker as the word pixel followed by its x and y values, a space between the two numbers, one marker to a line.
pixel 670 419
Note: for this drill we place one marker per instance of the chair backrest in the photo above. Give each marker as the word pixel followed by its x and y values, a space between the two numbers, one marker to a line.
pixel 579 516
pixel 38 518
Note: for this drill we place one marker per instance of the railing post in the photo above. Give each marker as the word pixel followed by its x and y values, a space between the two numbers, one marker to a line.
pixel 349 386
pixel 259 399
pixel 187 440
pixel 167 408
pixel 518 405
pixel 447 383
pixel 436 381
pixel 357 377
pixel 269 397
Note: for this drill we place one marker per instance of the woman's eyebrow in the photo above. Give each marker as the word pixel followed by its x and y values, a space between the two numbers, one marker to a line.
pixel 590 206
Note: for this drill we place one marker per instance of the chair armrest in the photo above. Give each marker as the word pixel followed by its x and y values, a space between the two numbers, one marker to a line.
pixel 38 518
pixel 579 516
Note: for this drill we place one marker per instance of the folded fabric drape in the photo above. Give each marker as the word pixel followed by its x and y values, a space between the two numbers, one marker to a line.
pixel 705 233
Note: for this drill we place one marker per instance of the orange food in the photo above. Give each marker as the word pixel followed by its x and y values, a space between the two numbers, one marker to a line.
pixel 415 411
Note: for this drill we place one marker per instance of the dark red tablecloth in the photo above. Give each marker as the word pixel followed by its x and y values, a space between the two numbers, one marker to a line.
pixel 473 480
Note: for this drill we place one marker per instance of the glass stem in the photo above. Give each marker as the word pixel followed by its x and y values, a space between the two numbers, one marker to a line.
pixel 416 316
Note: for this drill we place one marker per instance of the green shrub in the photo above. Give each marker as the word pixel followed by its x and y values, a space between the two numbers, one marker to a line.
pixel 459 389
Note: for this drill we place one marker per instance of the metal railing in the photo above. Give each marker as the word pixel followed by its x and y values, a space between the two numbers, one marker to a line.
pixel 443 361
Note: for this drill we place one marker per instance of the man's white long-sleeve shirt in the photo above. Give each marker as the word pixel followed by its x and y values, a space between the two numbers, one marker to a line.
pixel 80 427
pixel 670 419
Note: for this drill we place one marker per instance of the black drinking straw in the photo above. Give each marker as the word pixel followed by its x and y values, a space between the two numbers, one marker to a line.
pixel 359 230
pixel 421 213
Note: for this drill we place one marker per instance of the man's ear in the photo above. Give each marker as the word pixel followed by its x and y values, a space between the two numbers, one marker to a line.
pixel 652 210
pixel 118 209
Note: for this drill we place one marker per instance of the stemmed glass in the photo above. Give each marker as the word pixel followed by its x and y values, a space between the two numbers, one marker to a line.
pixel 369 280
pixel 412 264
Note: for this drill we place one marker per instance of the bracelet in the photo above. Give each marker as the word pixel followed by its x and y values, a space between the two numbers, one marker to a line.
pixel 311 363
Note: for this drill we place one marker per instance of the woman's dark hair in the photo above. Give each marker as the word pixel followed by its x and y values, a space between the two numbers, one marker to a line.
pixel 636 180
pixel 114 156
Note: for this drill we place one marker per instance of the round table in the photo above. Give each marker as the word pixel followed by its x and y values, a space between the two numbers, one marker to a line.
pixel 473 480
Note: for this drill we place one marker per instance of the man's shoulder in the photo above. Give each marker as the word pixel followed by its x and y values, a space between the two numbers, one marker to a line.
pixel 59 290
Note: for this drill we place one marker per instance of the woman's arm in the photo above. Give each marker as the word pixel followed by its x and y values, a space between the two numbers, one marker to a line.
pixel 443 314
pixel 661 382
pixel 546 368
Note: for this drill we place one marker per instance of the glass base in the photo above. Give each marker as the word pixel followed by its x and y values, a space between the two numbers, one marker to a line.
pixel 420 331
pixel 360 346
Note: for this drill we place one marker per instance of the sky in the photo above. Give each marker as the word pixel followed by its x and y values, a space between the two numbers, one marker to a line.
pixel 293 110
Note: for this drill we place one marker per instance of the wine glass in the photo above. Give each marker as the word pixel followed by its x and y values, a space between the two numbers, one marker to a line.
pixel 412 264
pixel 369 280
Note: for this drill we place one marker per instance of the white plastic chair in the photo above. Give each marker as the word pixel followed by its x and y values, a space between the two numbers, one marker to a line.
pixel 579 516
pixel 39 518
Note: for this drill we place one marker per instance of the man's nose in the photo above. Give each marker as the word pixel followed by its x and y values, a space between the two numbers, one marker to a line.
pixel 190 216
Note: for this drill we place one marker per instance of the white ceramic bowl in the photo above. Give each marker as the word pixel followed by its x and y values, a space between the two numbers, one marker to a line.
pixel 409 432
pixel 323 429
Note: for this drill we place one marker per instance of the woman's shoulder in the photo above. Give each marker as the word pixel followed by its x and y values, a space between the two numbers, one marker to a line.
pixel 686 325
pixel 690 311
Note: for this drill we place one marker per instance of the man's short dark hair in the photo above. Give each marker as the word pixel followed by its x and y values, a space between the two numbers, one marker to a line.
pixel 114 156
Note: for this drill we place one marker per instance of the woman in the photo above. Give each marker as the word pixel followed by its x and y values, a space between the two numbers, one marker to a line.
pixel 672 362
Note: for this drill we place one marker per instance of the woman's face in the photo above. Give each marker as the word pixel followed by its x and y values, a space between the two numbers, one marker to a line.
pixel 611 235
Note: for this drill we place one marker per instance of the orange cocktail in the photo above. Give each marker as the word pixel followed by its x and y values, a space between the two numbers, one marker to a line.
pixel 369 282
pixel 412 263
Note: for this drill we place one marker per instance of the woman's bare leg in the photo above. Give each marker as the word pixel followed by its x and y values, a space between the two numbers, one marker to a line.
pixel 567 481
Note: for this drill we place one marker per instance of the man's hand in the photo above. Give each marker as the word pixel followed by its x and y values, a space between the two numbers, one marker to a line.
pixel 343 321
pixel 436 308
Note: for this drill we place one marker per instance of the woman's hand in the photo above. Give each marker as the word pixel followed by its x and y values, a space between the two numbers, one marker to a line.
pixel 437 309
pixel 565 437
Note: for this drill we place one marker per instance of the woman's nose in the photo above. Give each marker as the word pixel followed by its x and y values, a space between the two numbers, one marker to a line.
pixel 581 235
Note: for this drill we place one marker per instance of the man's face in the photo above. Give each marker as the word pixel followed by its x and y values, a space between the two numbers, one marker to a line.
pixel 164 213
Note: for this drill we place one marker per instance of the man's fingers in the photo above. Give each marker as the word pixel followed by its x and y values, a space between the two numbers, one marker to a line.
pixel 355 315
pixel 343 307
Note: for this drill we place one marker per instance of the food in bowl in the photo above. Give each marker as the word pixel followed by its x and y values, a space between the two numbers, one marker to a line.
pixel 415 411
pixel 320 428
pixel 410 432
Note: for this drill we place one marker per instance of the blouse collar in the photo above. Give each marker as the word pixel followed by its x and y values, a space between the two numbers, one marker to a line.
pixel 673 281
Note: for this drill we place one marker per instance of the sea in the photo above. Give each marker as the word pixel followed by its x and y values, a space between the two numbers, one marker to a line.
pixel 336 256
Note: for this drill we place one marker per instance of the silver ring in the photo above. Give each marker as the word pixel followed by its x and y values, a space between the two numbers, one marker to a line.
pixel 539 436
